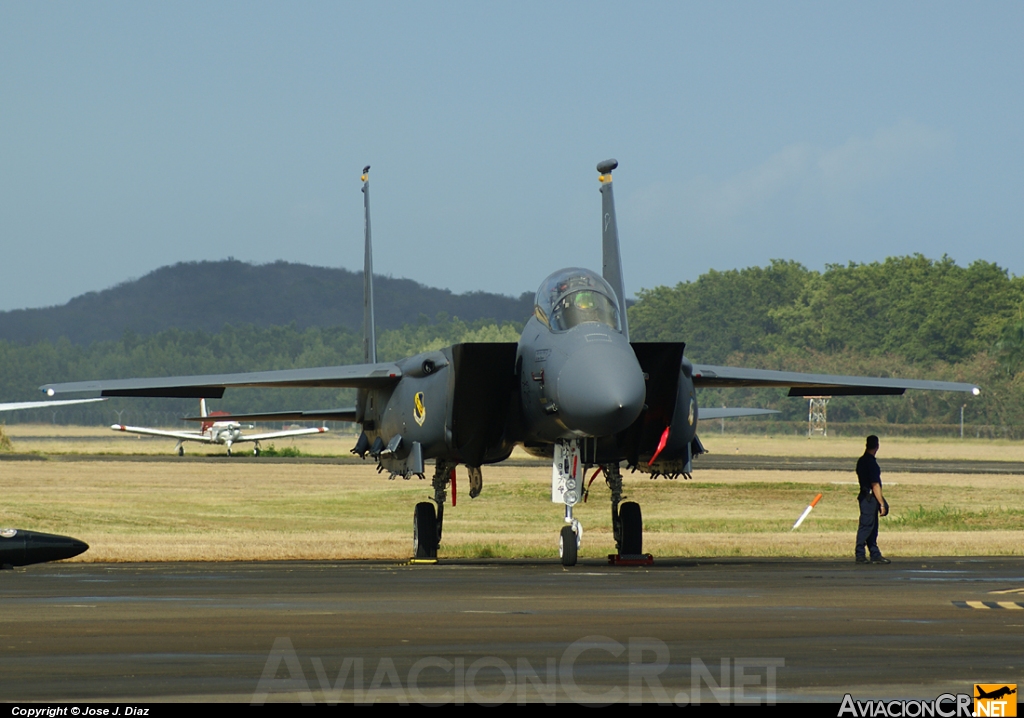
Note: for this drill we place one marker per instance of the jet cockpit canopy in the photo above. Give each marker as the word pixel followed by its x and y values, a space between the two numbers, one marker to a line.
pixel 573 296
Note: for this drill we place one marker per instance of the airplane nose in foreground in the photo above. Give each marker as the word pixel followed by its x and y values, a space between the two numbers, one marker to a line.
pixel 49 547
pixel 601 390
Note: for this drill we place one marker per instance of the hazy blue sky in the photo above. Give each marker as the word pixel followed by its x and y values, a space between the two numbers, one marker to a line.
pixel 134 135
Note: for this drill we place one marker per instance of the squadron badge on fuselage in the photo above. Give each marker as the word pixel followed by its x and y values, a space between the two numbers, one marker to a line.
pixel 419 412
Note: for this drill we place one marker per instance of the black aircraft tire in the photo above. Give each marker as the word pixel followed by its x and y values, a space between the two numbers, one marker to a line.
pixel 424 531
pixel 632 529
pixel 567 546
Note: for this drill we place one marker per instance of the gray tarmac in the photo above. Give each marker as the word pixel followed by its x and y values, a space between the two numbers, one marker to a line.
pixel 505 630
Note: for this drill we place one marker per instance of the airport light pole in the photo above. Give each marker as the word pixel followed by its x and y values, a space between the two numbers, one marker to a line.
pixel 962 420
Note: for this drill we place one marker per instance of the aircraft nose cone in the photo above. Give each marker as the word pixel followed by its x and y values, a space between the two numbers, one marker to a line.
pixel 601 389
pixel 40 547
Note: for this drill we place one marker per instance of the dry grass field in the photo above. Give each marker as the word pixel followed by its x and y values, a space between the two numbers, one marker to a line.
pixel 245 509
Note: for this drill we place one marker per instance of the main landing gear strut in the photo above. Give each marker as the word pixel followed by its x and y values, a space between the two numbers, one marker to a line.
pixel 427 523
pixel 627 522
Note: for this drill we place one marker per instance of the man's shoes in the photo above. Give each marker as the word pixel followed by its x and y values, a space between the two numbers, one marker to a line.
pixel 880 559
pixel 862 559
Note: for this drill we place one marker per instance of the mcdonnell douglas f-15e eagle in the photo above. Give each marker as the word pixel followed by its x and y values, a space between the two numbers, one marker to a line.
pixel 573 389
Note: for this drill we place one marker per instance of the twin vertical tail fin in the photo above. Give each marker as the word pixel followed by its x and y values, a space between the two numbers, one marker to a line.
pixel 369 332
pixel 611 258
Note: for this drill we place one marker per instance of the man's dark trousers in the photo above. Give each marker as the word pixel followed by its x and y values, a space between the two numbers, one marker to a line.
pixel 867 532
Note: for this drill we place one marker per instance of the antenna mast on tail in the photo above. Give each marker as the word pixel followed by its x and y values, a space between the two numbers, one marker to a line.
pixel 611 259
pixel 369 333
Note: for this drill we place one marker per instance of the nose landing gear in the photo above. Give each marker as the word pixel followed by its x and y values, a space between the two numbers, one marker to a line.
pixel 566 488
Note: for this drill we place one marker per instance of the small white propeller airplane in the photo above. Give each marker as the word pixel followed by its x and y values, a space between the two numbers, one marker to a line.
pixel 227 433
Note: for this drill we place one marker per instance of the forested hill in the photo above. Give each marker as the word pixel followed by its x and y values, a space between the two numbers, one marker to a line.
pixel 209 295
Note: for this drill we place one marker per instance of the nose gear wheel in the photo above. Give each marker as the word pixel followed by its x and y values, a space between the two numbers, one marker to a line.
pixel 568 546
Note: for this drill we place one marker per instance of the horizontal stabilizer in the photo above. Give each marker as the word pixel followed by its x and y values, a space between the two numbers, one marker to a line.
pixel 705 375
pixel 323 415
pixel 282 434
pixel 732 412
pixel 212 386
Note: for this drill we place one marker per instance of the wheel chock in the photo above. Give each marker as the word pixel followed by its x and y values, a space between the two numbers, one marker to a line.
pixel 640 559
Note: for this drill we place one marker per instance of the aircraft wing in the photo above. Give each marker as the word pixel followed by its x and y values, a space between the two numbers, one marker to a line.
pixel 706 375
pixel 348 414
pixel 731 412
pixel 180 435
pixel 14 406
pixel 212 386
pixel 280 434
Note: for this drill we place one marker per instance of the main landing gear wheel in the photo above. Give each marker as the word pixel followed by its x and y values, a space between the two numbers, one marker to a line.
pixel 256 451
pixel 181 451
pixel 567 546
pixel 424 531
pixel 632 529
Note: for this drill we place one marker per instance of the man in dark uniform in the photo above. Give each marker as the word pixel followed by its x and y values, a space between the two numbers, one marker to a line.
pixel 872 504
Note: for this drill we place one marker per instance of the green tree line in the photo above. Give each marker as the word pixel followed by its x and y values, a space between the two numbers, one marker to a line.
pixel 908 317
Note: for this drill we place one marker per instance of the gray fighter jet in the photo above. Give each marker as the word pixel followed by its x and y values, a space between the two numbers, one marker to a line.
pixel 573 389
